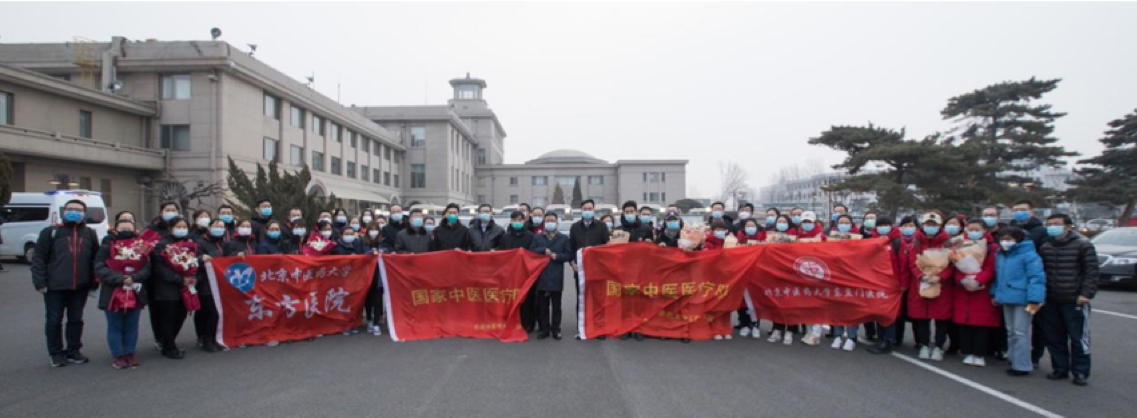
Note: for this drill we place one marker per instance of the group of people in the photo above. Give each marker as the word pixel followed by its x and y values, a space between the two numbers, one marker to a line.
pixel 1030 294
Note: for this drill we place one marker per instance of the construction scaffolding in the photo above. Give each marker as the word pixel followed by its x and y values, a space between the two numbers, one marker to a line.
pixel 85 56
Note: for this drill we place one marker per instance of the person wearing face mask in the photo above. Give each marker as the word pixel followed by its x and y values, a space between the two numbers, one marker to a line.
pixel 200 227
pixel 782 232
pixel 321 242
pixel 772 215
pixel 350 242
pixel 795 217
pixel 209 245
pixel 339 222
pixel 836 213
pixel 972 312
pixel 672 225
pixel 168 311
pixel 536 220
pixel 903 243
pixel 749 233
pixel 551 282
pixel 809 229
pixel 631 225
pixel 373 244
pixel 262 213
pixel 273 241
pixel 845 336
pixel 990 217
pixel 396 223
pixel 718 212
pixel 518 235
pixel 609 222
pixel 243 242
pixel 1022 213
pixel 745 212
pixel 414 239
pixel 159 227
pixel 485 234
pixel 63 268
pixel 366 217
pixel 922 310
pixel 1071 264
pixel 715 240
pixel 587 232
pixel 646 232
pixel 868 224
pixel 1020 289
pixel 954 227
pixel 355 223
pixel 225 214
pixel 122 325
pixel 451 234
pixel 118 217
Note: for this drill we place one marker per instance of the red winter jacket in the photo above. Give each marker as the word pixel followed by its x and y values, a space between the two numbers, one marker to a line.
pixel 817 231
pixel 712 242
pixel 918 306
pixel 974 308
pixel 744 239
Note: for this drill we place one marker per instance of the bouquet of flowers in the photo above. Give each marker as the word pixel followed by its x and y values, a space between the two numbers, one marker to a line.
pixel 968 258
pixel 128 255
pixel 318 245
pixel 730 241
pixel 619 236
pixel 843 236
pixel 123 298
pixel 931 263
pixel 779 238
pixel 691 237
pixel 181 256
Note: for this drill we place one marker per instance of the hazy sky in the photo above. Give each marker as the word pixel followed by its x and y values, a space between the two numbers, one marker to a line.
pixel 748 82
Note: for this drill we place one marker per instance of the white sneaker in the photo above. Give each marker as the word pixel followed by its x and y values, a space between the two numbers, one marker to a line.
pixel 850 345
pixel 925 353
pixel 836 343
pixel 745 332
pixel 718 338
pixel 937 354
pixel 969 360
pixel 378 331
pixel 810 340
pixel 979 362
pixel 728 336
pixel 788 339
pixel 775 336
pixel 273 343
pixel 756 332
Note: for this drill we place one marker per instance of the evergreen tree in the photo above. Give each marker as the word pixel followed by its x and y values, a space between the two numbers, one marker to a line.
pixel 1113 177
pixel 285 190
pixel 6 174
pixel 558 196
pixel 577 195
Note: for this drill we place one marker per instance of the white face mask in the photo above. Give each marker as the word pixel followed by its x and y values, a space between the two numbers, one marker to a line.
pixel 299 231
pixel 349 239
pixel 372 234
pixel 1007 245
pixel 203 222
pixel 744 215
pixel 326 234
pixel 355 226
pixel 367 219
pixel 244 231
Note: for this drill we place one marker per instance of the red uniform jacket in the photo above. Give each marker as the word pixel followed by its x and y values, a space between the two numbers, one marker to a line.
pixel 974 308
pixel 918 306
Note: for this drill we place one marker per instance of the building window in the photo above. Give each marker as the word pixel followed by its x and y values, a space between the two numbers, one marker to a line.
pixel 351 169
pixel 270 148
pixel 364 173
pixel 296 156
pixel 653 197
pixel 376 176
pixel 6 108
pixel 540 181
pixel 272 106
pixel 353 138
pixel 513 199
pixel 386 178
pixel 84 183
pixel 596 180
pixel 513 181
pixel 318 125
pixel 85 124
pixel 645 197
pixel 396 181
pixel 366 143
pixel 398 157
pixel 317 161
pixel 297 117
pixel 418 176
pixel 105 187
pixel 663 177
pixel 175 137
pixel 481 156
pixel 418 138
pixel 335 132
pixel 176 87
pixel 336 166
pixel 377 149
pixel 663 197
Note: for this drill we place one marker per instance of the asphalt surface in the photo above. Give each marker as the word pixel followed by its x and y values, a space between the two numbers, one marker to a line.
pixel 368 376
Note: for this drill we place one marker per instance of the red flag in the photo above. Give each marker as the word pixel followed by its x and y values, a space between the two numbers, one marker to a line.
pixel 662 292
pixel 458 293
pixel 265 298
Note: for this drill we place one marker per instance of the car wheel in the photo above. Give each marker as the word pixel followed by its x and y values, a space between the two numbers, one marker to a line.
pixel 29 253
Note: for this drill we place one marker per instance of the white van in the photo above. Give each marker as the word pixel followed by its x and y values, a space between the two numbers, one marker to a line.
pixel 27 214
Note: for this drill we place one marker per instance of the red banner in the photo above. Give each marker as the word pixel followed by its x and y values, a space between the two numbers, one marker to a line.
pixel 836 283
pixel 458 293
pixel 665 292
pixel 661 292
pixel 265 298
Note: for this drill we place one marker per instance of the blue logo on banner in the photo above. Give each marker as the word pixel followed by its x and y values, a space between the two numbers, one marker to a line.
pixel 241 276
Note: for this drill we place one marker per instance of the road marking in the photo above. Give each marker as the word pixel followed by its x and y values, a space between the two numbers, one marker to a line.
pixel 980 387
pixel 1115 314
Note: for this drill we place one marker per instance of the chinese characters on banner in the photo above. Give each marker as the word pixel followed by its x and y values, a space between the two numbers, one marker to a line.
pixel 660 292
pixel 458 294
pixel 284 298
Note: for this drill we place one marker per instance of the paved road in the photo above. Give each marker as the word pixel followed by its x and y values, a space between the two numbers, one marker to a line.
pixel 364 376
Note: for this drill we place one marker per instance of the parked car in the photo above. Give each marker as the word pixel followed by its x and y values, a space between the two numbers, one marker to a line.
pixel 1096 226
pixel 1117 257
pixel 27 214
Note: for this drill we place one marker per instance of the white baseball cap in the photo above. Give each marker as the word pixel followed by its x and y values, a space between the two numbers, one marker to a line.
pixel 931 216
pixel 808 216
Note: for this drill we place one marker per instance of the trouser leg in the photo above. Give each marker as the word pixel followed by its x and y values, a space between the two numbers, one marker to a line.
pixel 1018 337
pixel 922 328
pixel 54 306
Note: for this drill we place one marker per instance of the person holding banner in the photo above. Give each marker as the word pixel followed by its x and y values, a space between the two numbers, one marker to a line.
pixel 122 266
pixel 783 232
pixel 205 320
pixel 749 233
pixel 517 235
pixel 930 298
pixel 550 284
pixel 414 239
pixel 810 230
pixel 485 234
pixel 272 242
pixel 716 240
pixel 373 243
pixel 172 261
pixel 586 232
pixel 669 236
pixel 243 242
pixel 883 229
pixel 452 235
pixel 349 243
pixel 396 225
pixel 845 337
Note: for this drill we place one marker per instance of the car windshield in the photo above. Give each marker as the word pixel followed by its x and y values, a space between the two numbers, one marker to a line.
pixel 1124 237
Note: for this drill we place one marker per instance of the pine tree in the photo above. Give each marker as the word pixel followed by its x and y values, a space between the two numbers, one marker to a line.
pixel 1113 179
pixel 6 174
pixel 577 195
pixel 285 190
pixel 558 196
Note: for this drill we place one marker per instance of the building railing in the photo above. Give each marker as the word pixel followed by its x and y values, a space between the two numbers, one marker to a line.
pixel 83 141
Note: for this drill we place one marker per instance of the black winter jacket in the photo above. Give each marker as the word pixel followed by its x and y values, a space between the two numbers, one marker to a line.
pixel 65 258
pixel 583 237
pixel 165 284
pixel 485 241
pixel 390 231
pixel 514 238
pixel 552 278
pixel 110 279
pixel 1071 265
pixel 449 237
pixel 412 241
pixel 239 244
pixel 214 247
pixel 1035 230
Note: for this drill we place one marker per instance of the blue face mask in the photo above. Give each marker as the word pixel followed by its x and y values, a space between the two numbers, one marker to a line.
pixel 483 216
pixel 629 217
pixel 796 220
pixel 266 212
pixel 217 231
pixel 771 219
pixel 397 217
pixel 720 234
pixel 1022 215
pixel 180 232
pixel 884 230
pixel 931 230
pixel 452 218
pixel 1055 230
pixel 782 227
pixel 751 230
pixel 975 235
pixel 587 214
pixel 416 222
pixel 672 224
pixel 716 214
pixel 951 229
pixel 990 221
pixel 807 227
pixel 844 227
pixel 645 219
pixel 550 226
pixel 429 228
pixel 835 216
pixel 273 234
pixel 227 218
pixel 167 216
pixel 348 239
pixel 73 216
pixel 908 231
pixel 609 225
pixel 870 223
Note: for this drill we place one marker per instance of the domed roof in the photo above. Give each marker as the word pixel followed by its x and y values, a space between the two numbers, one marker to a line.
pixel 563 156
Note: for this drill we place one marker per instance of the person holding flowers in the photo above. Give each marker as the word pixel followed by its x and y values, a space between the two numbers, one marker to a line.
pixel 122 266
pixel 175 274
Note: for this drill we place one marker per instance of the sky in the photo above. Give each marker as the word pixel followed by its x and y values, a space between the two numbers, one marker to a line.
pixel 706 82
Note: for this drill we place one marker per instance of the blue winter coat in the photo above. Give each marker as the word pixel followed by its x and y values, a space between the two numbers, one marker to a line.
pixel 1019 277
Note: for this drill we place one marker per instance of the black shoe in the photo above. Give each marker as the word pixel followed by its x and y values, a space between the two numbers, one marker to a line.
pixel 638 336
pixel 1058 376
pixel 1017 373
pixel 557 335
pixel 59 360
pixel 625 336
pixel 882 348
pixel 75 357
pixel 528 330
pixel 685 340
pixel 542 335
pixel 201 342
pixel 602 337
pixel 174 354
pixel 210 346
pixel 1080 380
